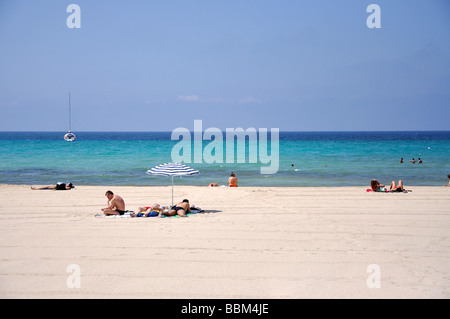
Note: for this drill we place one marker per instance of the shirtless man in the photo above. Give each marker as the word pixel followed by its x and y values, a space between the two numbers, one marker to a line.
pixel 116 205
pixel 181 209
pixel 232 181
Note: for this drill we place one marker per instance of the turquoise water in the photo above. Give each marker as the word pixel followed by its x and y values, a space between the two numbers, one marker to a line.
pixel 318 159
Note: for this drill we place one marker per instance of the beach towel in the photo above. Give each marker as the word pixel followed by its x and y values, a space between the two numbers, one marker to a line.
pixel 125 215
pixel 194 210
pixel 398 190
pixel 153 213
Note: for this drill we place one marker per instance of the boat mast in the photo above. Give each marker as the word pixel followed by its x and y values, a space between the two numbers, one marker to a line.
pixel 70 114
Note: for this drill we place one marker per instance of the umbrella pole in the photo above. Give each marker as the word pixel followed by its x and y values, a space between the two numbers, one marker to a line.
pixel 172 193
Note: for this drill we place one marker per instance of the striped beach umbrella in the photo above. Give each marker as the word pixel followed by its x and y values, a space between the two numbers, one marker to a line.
pixel 171 170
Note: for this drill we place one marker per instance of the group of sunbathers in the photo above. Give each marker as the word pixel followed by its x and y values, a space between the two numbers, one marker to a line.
pixel 116 206
pixel 181 209
pixel 377 187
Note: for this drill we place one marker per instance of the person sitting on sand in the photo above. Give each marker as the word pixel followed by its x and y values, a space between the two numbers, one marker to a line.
pixel 377 187
pixel 232 181
pixel 448 176
pixel 58 186
pixel 147 210
pixel 181 209
pixel 116 205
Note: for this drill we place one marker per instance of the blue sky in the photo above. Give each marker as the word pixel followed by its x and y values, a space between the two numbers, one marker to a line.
pixel 157 65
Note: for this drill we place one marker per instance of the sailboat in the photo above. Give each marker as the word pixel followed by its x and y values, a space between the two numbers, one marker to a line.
pixel 70 137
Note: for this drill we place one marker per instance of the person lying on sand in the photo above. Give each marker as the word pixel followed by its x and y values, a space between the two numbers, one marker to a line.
pixel 181 209
pixel 58 186
pixel 116 205
pixel 377 187
pixel 147 210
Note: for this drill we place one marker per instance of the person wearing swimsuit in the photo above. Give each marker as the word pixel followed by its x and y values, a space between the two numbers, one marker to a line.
pixel 180 209
pixel 232 181
pixel 116 205
pixel 377 187
pixel 58 186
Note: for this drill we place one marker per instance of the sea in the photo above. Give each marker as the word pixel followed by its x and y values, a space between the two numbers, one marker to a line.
pixel 304 159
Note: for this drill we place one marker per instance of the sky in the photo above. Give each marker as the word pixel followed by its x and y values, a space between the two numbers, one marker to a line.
pixel 287 64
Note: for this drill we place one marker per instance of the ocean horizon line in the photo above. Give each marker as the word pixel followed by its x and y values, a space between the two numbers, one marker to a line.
pixel 284 131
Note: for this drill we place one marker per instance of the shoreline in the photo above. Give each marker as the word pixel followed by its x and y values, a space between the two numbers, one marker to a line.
pixel 220 186
pixel 253 242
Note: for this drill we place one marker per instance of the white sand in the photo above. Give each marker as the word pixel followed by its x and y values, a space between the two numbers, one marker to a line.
pixel 255 243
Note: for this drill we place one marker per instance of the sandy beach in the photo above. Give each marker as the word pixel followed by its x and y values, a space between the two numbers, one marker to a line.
pixel 311 242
